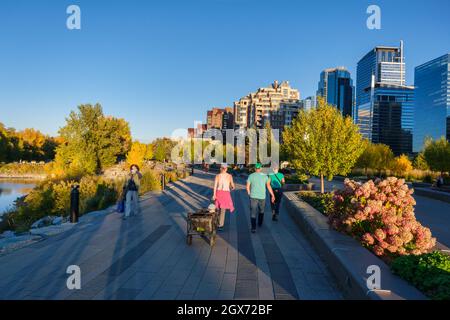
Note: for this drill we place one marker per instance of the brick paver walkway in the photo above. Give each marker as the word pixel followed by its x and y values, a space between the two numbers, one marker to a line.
pixel 146 257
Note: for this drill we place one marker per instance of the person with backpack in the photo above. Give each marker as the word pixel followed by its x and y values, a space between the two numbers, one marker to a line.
pixel 132 192
pixel 276 182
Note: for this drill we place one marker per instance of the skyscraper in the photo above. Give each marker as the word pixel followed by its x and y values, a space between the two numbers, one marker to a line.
pixel 432 101
pixel 384 104
pixel 387 66
pixel 308 103
pixel 336 86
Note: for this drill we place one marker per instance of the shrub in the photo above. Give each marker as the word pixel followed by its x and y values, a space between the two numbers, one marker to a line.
pixel 150 182
pixel 23 168
pixel 380 214
pixel 52 197
pixel 170 176
pixel 429 273
pixel 323 202
pixel 299 178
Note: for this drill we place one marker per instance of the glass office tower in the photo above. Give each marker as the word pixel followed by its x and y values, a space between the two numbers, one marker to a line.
pixel 432 101
pixel 384 104
pixel 386 65
pixel 336 86
pixel 393 117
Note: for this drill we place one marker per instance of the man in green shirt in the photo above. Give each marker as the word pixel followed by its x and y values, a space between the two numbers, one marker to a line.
pixel 276 182
pixel 256 188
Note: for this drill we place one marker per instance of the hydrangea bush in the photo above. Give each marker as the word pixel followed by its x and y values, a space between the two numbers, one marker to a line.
pixel 380 214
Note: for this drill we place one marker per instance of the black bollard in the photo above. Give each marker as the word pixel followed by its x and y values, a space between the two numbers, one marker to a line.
pixel 192 170
pixel 163 181
pixel 74 203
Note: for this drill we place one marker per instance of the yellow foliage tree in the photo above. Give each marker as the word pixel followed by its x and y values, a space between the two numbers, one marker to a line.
pixel 137 154
pixel 401 165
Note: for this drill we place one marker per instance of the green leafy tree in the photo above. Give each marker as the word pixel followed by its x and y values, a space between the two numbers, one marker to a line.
pixel 437 154
pixel 383 158
pixel 420 162
pixel 92 141
pixel 365 160
pixel 375 156
pixel 162 148
pixel 322 142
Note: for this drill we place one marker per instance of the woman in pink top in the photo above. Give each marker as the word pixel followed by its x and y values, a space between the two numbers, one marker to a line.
pixel 222 195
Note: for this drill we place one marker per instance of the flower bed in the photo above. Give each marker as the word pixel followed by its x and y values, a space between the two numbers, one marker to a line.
pixel 380 215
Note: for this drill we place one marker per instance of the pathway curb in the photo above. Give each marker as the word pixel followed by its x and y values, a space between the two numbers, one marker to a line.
pixel 433 194
pixel 346 258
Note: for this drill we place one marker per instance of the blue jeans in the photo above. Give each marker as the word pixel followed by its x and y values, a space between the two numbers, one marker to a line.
pixel 257 207
pixel 131 203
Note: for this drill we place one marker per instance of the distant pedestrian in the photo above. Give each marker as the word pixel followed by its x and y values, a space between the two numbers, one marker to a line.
pixel 256 188
pixel 223 184
pixel 276 182
pixel 132 192
pixel 439 181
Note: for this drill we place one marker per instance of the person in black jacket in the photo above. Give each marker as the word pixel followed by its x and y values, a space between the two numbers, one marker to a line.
pixel 132 184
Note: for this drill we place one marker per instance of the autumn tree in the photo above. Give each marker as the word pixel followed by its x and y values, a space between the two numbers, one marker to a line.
pixel 322 142
pixel 29 145
pixel 138 153
pixel 401 165
pixel 92 141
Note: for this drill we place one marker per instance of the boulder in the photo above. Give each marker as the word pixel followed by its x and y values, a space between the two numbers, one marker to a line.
pixel 45 221
pixel 7 234
pixel 57 221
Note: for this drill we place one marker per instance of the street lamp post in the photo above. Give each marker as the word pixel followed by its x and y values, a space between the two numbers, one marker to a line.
pixel 74 203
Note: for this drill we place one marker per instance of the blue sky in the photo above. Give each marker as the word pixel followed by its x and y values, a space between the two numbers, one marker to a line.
pixel 162 64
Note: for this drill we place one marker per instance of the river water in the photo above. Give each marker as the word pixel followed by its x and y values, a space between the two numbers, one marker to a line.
pixel 10 190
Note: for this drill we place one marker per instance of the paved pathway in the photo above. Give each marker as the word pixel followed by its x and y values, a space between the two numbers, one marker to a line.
pixel 146 257
pixel 434 214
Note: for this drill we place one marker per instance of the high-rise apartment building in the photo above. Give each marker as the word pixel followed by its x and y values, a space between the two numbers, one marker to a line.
pixel 283 117
pixel 432 101
pixel 254 109
pixel 336 86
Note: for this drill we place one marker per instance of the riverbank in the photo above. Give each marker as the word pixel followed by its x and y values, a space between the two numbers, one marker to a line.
pixel 22 177
pixel 23 170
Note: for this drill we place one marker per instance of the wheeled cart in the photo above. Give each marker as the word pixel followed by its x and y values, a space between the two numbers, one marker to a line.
pixel 202 223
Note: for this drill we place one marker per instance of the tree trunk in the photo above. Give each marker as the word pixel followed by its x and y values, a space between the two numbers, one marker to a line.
pixel 322 187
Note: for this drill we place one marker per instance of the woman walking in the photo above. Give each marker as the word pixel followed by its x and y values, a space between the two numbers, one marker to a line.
pixel 276 182
pixel 223 184
pixel 132 192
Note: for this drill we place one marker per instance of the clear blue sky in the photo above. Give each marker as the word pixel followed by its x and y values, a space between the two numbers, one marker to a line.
pixel 162 64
